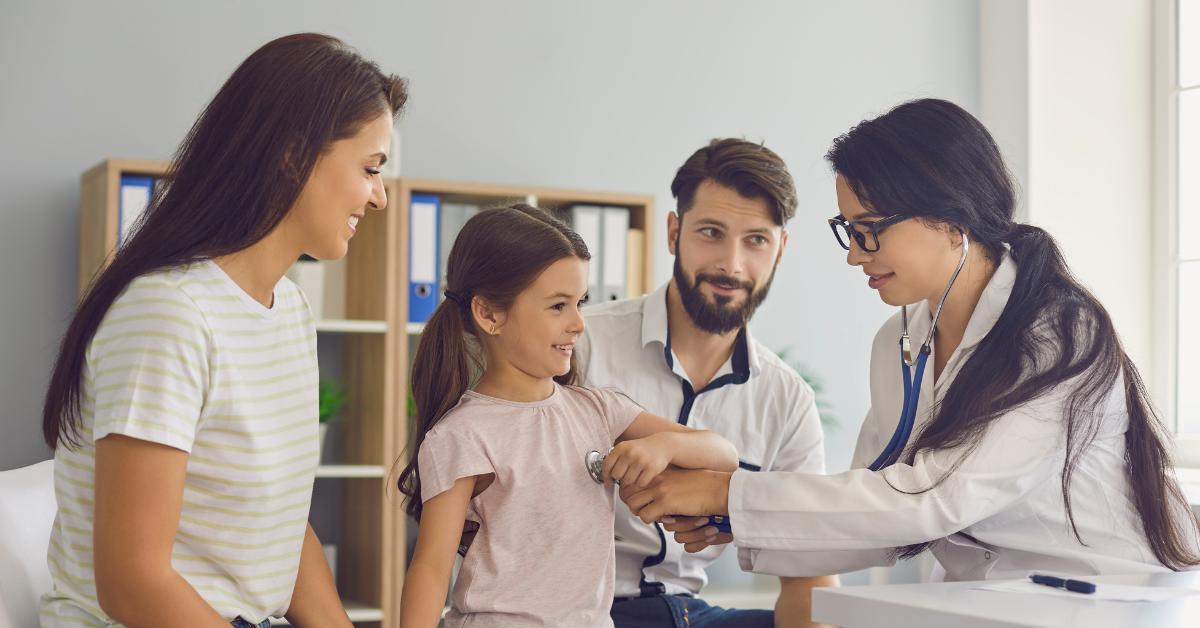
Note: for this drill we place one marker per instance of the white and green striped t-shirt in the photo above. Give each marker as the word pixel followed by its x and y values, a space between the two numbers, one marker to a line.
pixel 187 359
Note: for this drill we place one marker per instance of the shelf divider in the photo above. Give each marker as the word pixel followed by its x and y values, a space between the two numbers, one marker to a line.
pixel 351 326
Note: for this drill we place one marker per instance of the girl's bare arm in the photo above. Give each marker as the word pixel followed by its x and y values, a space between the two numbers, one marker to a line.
pixel 428 577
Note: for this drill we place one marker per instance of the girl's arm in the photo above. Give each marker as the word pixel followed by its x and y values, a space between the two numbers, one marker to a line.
pixel 315 599
pixel 428 577
pixel 651 443
pixel 139 497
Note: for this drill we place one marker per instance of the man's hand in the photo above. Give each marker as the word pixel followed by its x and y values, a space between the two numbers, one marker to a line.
pixel 687 492
pixel 694 533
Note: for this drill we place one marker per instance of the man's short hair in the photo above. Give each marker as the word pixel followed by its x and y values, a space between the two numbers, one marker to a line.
pixel 752 170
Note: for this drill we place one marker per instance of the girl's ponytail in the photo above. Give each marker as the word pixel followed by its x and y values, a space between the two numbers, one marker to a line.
pixel 441 373
pixel 499 252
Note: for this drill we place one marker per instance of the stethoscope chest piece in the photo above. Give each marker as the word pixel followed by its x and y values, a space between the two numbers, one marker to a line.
pixel 594 461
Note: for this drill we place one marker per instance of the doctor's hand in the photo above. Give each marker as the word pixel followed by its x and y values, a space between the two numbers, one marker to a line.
pixel 686 492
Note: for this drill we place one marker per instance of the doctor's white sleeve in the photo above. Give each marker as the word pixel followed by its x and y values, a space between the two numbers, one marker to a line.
pixel 864 510
pixel 802 564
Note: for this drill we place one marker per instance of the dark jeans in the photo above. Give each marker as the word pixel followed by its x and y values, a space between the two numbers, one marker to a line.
pixel 668 611
pixel 238 622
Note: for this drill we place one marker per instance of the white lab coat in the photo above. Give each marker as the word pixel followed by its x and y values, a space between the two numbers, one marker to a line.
pixel 999 515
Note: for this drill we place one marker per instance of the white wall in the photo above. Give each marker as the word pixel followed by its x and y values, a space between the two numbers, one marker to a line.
pixel 1066 88
pixel 537 93
pixel 1091 141
pixel 1004 84
pixel 540 93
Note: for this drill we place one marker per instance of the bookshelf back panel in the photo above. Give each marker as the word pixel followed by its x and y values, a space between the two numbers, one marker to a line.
pixel 366 268
pixel 360 549
pixel 361 432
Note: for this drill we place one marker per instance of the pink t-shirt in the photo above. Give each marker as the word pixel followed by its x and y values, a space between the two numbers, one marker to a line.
pixel 544 554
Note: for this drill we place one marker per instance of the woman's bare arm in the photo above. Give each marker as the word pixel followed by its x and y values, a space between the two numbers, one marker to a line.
pixel 139 498
pixel 315 599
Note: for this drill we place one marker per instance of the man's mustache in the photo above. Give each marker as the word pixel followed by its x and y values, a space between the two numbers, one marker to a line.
pixel 725 281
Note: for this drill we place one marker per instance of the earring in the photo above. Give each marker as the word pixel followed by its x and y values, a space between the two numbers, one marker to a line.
pixel 493 332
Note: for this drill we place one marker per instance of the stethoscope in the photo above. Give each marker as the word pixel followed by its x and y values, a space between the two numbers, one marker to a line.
pixel 912 385
pixel 594 461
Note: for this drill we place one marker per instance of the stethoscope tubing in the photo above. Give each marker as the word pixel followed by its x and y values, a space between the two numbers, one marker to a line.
pixel 912 384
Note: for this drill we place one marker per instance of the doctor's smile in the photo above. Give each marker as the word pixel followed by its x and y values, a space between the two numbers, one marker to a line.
pixel 878 281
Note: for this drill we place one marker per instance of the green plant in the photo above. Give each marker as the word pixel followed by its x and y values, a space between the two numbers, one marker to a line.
pixel 828 420
pixel 331 396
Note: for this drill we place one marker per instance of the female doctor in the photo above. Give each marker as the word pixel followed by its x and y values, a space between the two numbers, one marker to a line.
pixel 1028 441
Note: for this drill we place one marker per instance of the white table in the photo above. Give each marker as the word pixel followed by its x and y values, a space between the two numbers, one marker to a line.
pixel 956 604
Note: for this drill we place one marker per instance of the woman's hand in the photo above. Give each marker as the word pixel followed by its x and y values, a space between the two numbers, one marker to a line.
pixel 636 462
pixel 682 492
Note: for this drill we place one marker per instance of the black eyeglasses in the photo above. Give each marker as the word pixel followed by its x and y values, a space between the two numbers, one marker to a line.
pixel 844 230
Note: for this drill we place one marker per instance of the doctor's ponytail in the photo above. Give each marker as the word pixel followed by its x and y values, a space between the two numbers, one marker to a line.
pixel 498 254
pixel 932 160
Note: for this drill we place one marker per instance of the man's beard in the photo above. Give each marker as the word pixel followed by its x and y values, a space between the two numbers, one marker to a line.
pixel 720 317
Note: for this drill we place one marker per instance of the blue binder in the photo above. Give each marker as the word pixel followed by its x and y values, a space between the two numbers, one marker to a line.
pixel 422 257
pixel 133 201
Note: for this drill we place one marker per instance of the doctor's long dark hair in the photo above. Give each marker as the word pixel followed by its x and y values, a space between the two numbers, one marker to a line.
pixel 234 178
pixel 498 254
pixel 931 159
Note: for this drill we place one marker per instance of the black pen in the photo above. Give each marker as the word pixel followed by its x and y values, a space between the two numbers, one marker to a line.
pixel 1077 586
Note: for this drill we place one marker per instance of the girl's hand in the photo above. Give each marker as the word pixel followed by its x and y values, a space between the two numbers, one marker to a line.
pixel 636 462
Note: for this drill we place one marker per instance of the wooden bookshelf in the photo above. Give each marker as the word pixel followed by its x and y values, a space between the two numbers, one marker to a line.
pixel 375 338
pixel 99 211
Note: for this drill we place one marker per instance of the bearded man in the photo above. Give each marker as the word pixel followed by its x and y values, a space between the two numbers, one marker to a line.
pixel 685 352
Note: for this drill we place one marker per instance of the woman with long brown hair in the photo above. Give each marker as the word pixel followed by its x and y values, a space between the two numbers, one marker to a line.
pixel 183 404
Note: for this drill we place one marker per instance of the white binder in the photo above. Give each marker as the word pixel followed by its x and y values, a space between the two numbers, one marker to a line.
pixel 453 217
pixel 615 241
pixel 586 221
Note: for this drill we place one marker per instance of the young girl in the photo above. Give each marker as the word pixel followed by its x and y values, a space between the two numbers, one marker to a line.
pixel 183 404
pixel 509 455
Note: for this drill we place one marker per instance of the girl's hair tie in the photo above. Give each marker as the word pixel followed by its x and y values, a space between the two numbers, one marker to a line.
pixel 457 298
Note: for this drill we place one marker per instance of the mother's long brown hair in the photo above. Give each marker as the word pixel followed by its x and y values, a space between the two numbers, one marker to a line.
pixel 234 178
pixel 498 254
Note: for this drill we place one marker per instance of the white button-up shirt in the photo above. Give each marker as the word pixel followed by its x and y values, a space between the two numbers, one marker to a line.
pixel 755 401
pixel 999 514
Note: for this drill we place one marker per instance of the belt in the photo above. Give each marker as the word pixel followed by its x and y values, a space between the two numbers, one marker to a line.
pixel 642 597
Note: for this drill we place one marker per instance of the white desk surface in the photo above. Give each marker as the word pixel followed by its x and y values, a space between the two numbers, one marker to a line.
pixel 956 604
